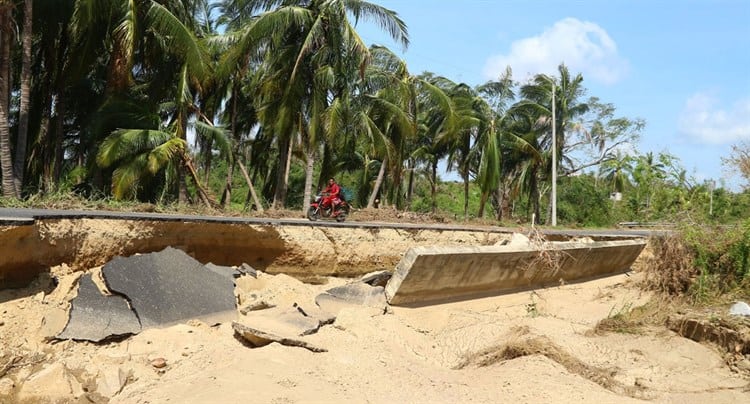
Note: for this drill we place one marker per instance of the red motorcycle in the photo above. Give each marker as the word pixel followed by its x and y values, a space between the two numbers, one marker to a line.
pixel 320 209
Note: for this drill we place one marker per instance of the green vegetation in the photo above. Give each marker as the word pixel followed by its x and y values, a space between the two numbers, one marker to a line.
pixel 703 264
pixel 252 104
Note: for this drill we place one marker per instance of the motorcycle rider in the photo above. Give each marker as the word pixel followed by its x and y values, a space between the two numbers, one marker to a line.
pixel 332 195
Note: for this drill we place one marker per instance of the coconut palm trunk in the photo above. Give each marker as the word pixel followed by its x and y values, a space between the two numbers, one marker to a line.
pixel 378 183
pixel 465 177
pixel 226 196
pixel 59 137
pixel 254 195
pixel 282 174
pixel 23 119
pixel 6 158
pixel 308 180
pixel 433 185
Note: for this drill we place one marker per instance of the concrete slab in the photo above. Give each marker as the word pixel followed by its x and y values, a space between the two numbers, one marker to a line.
pixel 169 286
pixel 353 294
pixel 433 274
pixel 282 321
pixel 96 317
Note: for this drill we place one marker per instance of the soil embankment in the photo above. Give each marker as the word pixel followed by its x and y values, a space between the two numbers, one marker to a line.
pixel 300 251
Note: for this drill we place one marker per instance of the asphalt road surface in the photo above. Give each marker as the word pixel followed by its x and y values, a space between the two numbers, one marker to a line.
pixel 14 216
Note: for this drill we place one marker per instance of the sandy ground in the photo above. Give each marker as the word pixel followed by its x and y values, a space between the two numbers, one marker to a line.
pixel 534 346
pixel 527 347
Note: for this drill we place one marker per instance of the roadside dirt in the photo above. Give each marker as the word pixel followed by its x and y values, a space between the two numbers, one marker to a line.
pixel 534 346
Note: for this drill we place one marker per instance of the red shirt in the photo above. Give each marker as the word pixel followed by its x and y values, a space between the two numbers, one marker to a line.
pixel 333 190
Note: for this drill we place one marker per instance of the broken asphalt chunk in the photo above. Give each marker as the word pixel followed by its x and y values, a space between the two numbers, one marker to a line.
pixel 258 338
pixel 170 286
pixel 379 278
pixel 248 270
pixel 229 272
pixel 96 317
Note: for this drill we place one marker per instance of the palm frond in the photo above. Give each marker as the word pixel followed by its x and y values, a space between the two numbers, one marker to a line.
pixel 125 143
pixel 220 136
pixel 179 39
pixel 167 152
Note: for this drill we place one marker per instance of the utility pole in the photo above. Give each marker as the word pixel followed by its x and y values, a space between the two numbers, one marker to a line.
pixel 554 159
pixel 711 199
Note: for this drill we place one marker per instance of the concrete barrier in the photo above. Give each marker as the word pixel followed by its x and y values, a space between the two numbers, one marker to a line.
pixel 432 274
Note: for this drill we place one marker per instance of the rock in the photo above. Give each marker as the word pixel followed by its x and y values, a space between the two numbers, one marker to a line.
pixel 53 322
pixel 159 363
pixel 353 294
pixel 258 338
pixel 111 381
pixel 54 383
pixel 740 309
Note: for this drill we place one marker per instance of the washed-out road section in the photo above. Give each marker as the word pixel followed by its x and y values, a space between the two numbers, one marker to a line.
pixel 32 241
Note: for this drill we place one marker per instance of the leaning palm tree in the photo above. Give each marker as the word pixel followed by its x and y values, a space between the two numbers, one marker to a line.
pixel 148 45
pixel 138 155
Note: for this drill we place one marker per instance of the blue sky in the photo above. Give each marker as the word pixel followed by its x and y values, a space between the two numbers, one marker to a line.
pixel 682 66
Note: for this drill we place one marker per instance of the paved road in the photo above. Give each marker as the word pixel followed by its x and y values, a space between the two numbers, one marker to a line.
pixel 14 216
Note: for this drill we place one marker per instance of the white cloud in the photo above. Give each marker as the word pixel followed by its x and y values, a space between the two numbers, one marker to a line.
pixel 583 46
pixel 705 121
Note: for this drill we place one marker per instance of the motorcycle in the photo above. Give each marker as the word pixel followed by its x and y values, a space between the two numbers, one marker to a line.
pixel 318 209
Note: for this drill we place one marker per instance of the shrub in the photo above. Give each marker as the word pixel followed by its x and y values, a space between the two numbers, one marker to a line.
pixel 702 262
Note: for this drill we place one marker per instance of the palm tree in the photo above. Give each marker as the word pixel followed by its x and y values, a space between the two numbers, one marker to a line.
pixel 138 154
pixel 144 45
pixel 6 158
pixel 470 121
pixel 23 119
pixel 497 95
pixel 525 157
pixel 646 173
pixel 568 107
pixel 310 47
pixel 616 169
